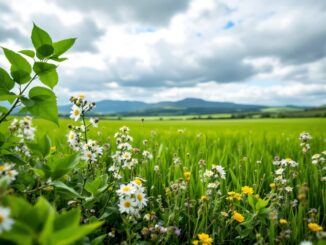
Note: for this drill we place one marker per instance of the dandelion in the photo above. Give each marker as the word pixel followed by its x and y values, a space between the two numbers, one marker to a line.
pixel 204 198
pixel 233 196
pixel 187 175
pixel 204 239
pixel 238 217
pixel 5 221
pixel 247 190
pixel 315 227
pixel 283 221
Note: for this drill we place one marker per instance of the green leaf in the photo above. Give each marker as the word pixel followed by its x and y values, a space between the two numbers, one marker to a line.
pixel 5 80
pixel 63 186
pixel 6 95
pixel 66 219
pixel 72 234
pixel 41 146
pixel 42 103
pixel 17 61
pixel 20 68
pixel 27 52
pixel 62 46
pixel 42 42
pixel 58 167
pixel 99 184
pixel 47 73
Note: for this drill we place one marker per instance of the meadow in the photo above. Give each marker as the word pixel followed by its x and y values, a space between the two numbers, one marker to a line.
pixel 245 149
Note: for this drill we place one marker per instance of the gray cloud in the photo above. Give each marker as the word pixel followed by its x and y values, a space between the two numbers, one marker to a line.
pixel 143 11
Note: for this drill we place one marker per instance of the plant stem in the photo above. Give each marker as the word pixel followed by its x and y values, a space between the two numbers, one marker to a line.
pixel 14 105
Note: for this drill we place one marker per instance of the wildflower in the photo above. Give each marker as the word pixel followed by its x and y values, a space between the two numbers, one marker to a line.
pixel 126 190
pixel 233 196
pixel 147 154
pixel 283 221
pixel 288 189
pixel 94 122
pixel 204 198
pixel 272 185
pixel 5 221
pixel 75 113
pixel 315 227
pixel 247 190
pixel 219 171
pixel 204 239
pixel 187 175
pixel 238 217
pixel 126 206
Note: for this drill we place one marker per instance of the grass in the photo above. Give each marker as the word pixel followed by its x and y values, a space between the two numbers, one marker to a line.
pixel 245 148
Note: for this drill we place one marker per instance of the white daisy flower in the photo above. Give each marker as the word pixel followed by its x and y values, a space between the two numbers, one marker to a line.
pixel 126 155
pixel 126 206
pixel 126 190
pixel 141 199
pixel 75 113
pixel 147 154
pixel 5 221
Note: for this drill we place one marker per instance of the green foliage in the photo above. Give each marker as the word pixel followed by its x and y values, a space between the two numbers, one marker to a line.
pixel 42 224
pixel 42 102
pixel 22 74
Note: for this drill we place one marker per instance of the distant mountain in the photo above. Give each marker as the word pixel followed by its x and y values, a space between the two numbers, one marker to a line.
pixel 188 106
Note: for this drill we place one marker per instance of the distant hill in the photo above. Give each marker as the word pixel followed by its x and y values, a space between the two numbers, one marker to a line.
pixel 188 106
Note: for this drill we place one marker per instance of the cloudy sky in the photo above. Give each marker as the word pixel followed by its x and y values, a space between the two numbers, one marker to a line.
pixel 245 51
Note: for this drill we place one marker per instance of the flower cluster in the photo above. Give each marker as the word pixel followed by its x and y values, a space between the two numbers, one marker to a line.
pixel 132 197
pixel 80 106
pixel 203 239
pixel 285 173
pixel 319 159
pixel 77 136
pixel 212 177
pixel 24 130
pixel 305 137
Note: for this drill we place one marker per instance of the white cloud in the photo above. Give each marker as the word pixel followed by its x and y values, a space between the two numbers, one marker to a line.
pixel 149 51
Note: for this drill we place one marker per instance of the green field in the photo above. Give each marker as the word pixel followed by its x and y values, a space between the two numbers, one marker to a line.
pixel 245 148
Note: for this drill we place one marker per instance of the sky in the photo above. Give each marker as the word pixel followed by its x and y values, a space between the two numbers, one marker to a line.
pixel 242 51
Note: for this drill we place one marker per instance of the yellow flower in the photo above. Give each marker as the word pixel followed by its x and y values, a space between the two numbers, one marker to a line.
pixel 315 227
pixel 167 191
pixel 257 196
pixel 283 221
pixel 53 148
pixel 272 185
pixel 204 198
pixel 238 217
pixel 187 175
pixel 233 196
pixel 247 190
pixel 195 242
pixel 205 239
pixel 138 181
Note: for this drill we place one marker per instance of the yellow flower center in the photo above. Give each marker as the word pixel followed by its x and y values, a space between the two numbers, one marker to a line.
pixel 76 112
pixel 1 219
pixel 2 168
pixel 126 188
pixel 139 197
pixel 127 204
pixel 138 182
